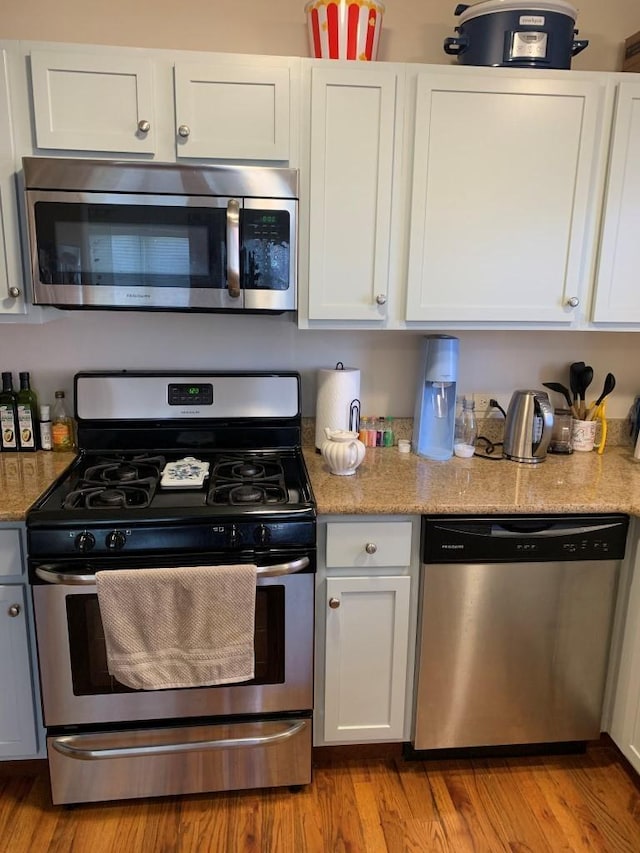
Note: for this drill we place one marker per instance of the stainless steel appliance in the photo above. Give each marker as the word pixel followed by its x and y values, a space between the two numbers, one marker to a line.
pixel 161 236
pixel 104 740
pixel 515 628
pixel 528 427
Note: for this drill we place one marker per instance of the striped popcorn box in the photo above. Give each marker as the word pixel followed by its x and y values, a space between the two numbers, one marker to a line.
pixel 348 29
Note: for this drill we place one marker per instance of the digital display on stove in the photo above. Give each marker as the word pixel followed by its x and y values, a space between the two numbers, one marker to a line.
pixel 190 394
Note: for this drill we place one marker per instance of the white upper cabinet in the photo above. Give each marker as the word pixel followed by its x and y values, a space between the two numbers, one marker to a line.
pixel 124 101
pixel 93 102
pixel 504 173
pixel 232 111
pixel 12 299
pixel 352 163
pixel 617 295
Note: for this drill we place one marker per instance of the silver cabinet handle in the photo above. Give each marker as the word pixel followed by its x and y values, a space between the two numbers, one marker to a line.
pixel 144 126
pixel 233 248
pixel 334 603
pixel 371 547
pixel 573 302
pixel 15 610
pixel 381 299
pixel 70 745
pixel 52 575
pixel 184 130
pixel 14 291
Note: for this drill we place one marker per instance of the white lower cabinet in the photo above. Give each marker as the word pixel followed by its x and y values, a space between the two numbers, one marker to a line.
pixel 366 606
pixel 21 732
pixel 625 717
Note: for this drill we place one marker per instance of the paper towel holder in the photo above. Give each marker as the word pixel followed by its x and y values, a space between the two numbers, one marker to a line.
pixel 354 415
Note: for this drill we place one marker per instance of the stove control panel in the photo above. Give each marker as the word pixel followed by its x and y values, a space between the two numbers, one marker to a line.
pixel 155 539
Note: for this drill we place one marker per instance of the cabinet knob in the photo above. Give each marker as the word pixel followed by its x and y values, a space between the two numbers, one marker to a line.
pixel 573 302
pixel 14 610
pixel 334 603
pixel 144 126
pixel 381 299
pixel 184 130
pixel 371 547
pixel 14 291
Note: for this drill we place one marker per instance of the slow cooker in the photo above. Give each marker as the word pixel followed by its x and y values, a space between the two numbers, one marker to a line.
pixel 516 33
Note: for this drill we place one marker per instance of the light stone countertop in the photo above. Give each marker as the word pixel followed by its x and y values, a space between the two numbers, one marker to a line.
pixel 389 482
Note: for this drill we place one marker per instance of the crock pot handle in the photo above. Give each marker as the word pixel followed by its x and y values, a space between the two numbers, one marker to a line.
pixel 456 46
pixel 460 8
pixel 578 46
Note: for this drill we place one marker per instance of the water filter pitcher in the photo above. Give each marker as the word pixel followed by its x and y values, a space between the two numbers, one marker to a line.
pixel 434 421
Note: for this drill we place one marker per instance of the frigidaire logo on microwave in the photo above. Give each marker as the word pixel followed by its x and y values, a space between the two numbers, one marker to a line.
pixel 104 234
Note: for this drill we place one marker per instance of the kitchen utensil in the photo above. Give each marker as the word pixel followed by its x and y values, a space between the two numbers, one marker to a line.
pixel 528 427
pixel 585 378
pixel 562 389
pixel 343 451
pixel 516 33
pixel 607 388
pixel 575 370
pixel 583 435
pixel 599 415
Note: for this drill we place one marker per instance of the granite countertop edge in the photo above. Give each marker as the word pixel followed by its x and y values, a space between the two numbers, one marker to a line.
pixel 392 483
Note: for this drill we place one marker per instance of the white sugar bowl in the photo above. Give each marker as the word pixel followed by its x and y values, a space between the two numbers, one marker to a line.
pixel 342 451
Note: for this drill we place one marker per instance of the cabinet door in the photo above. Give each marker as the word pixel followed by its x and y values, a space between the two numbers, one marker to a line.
pixel 366 658
pixel 10 552
pixel 617 297
pixel 12 299
pixel 503 167
pixel 87 102
pixel 232 111
pixel 17 719
pixel 352 144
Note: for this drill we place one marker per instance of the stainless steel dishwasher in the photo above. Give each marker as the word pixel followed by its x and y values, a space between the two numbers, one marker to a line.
pixel 515 628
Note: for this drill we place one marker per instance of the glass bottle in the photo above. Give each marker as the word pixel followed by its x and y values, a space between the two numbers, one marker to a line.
pixel 62 437
pixel 8 414
pixel 27 414
pixel 466 429
pixel 388 433
pixel 45 427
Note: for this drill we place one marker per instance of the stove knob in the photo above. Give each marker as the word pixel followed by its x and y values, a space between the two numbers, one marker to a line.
pixel 234 536
pixel 262 535
pixel 85 541
pixel 115 540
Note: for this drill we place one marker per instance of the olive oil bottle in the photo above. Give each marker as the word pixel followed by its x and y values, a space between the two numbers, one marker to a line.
pixel 8 415
pixel 62 431
pixel 27 413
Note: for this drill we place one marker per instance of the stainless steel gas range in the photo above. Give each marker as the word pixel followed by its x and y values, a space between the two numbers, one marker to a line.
pixel 130 500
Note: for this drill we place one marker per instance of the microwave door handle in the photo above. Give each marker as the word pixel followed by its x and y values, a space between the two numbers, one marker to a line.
pixel 51 575
pixel 233 248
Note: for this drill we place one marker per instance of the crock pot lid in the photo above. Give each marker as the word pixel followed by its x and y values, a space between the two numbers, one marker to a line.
pixel 488 7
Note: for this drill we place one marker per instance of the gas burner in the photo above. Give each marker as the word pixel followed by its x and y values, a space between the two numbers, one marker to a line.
pixel 248 471
pixel 91 495
pixel 236 493
pixel 247 479
pixel 125 469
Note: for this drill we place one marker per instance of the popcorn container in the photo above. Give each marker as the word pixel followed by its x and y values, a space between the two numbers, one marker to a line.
pixel 346 29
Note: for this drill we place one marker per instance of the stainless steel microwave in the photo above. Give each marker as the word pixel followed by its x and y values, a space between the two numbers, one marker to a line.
pixel 107 234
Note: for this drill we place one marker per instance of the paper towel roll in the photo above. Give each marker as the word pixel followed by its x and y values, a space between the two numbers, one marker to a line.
pixel 337 388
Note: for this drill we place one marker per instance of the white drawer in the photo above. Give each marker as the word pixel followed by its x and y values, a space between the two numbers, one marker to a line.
pixel 10 552
pixel 369 543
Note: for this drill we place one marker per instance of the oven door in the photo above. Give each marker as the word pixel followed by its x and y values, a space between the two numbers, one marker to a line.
pixel 78 690
pixel 119 250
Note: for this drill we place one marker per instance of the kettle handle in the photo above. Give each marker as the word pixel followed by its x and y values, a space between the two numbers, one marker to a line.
pixel 545 409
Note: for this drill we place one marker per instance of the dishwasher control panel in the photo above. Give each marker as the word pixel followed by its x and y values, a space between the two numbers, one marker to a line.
pixel 519 538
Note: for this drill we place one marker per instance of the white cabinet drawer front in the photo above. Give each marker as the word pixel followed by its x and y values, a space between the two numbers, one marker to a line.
pixel 10 553
pixel 84 102
pixel 369 544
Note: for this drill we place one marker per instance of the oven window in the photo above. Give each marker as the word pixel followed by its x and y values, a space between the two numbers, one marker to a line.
pixel 131 245
pixel 88 653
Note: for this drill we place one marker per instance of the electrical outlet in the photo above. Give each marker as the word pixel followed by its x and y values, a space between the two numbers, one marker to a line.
pixel 481 400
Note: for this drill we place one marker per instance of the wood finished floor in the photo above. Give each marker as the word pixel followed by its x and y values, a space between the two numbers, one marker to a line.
pixel 586 802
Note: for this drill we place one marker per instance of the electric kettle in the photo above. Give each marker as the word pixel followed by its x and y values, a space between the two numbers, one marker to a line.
pixel 528 427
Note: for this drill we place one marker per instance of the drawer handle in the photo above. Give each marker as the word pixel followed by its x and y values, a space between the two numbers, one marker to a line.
pixel 371 547
pixel 334 603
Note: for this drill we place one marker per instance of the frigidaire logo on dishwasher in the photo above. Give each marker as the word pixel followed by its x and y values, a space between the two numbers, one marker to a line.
pixel 454 547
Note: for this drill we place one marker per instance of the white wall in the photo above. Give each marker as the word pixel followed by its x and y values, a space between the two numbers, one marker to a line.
pixel 413 30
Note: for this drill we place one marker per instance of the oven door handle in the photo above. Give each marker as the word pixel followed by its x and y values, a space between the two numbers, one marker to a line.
pixel 69 745
pixel 51 575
